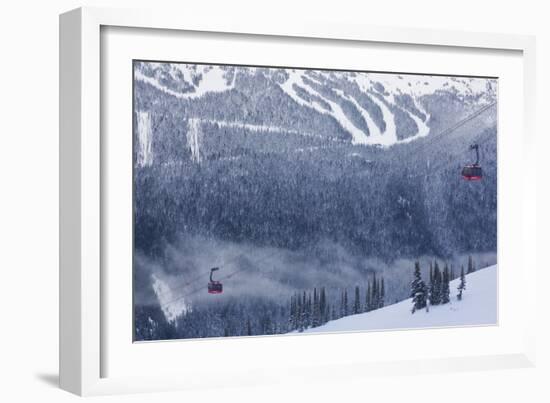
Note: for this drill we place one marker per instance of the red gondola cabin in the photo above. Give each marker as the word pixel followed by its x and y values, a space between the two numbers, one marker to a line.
pixel 214 287
pixel 473 171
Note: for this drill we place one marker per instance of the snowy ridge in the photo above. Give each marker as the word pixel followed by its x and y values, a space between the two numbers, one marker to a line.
pixel 478 307
pixel 419 85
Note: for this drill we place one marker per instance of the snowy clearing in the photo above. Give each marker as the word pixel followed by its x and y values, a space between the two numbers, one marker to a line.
pixel 170 305
pixel 145 141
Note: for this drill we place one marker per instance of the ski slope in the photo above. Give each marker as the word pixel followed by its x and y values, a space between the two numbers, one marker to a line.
pixel 191 81
pixel 478 307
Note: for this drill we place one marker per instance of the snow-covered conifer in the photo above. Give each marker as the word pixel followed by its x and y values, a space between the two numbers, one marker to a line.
pixel 382 293
pixel 462 285
pixel 356 301
pixel 435 286
pixel 445 290
pixel 471 265
pixel 418 290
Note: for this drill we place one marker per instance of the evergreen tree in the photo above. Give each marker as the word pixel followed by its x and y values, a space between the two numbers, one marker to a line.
pixel 341 304
pixel 322 306
pixel 248 327
pixel 435 286
pixel 299 315
pixel 445 289
pixel 418 290
pixel 356 302
pixel 346 302
pixel 315 320
pixel 374 295
pixel 306 301
pixel 293 318
pixel 382 293
pixel 267 326
pixel 471 265
pixel 282 314
pixel 462 286
pixel 368 298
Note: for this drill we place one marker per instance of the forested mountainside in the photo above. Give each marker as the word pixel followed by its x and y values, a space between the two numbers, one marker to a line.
pixel 275 156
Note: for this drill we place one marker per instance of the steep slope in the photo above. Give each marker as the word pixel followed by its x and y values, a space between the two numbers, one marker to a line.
pixel 478 307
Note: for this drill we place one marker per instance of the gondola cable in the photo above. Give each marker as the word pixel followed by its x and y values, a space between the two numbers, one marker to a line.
pixel 226 277
pixel 220 265
pixel 450 130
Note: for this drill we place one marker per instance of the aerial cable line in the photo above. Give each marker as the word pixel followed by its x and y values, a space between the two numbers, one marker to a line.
pixel 193 280
pixel 459 124
pixel 449 130
pixel 443 164
pixel 228 276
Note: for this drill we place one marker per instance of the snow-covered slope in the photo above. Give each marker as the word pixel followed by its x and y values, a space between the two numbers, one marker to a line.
pixel 172 305
pixel 478 307
pixel 373 108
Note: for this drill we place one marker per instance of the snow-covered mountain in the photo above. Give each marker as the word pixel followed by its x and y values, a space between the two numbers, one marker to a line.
pixel 344 174
pixel 477 307
pixel 361 108
pixel 290 157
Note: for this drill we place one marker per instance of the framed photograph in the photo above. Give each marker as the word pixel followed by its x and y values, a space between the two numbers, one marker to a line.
pixel 236 197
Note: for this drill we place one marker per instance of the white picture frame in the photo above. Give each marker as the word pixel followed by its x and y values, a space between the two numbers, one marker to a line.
pixel 82 173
